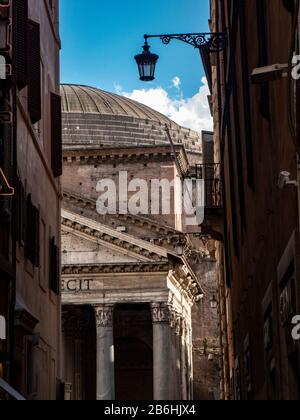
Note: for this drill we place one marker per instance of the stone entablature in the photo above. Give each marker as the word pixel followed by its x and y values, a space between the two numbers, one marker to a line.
pixel 115 268
pixel 95 280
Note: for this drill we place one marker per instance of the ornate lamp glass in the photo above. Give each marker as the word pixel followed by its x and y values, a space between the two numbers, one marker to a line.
pixel 146 63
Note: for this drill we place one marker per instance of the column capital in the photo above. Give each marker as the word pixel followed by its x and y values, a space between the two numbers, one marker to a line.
pixel 160 313
pixel 104 315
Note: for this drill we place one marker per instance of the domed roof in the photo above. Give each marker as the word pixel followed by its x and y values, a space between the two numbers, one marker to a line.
pixel 95 118
pixel 88 100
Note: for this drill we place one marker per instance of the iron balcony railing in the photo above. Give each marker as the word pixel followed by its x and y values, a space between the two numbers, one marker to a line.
pixel 211 174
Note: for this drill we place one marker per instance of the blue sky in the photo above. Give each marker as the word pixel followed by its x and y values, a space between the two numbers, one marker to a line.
pixel 101 37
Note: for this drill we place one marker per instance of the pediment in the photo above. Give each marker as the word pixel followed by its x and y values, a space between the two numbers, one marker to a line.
pixel 80 250
pixel 87 241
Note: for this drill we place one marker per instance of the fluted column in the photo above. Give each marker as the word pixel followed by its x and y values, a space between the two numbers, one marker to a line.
pixel 161 351
pixel 105 352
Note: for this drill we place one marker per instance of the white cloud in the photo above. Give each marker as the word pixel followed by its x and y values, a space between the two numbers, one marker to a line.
pixel 176 82
pixel 191 112
pixel 118 88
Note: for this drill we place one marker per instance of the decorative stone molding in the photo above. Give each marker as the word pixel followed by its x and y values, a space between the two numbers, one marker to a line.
pixel 188 284
pixel 154 153
pixel 104 315
pixel 160 313
pixel 163 313
pixel 98 235
pixel 116 268
pixel 170 235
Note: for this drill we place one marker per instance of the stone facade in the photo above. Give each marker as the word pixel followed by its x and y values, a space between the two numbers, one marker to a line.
pixel 135 278
pixel 32 353
pixel 259 258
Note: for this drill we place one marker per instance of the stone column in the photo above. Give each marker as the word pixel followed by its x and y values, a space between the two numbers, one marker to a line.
pixel 161 351
pixel 105 353
pixel 175 353
pixel 184 362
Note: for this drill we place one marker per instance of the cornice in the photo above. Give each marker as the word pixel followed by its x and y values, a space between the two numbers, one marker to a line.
pixel 111 155
pixel 188 283
pixel 151 267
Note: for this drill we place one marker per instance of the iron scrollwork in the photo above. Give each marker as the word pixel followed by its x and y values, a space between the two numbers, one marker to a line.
pixel 216 42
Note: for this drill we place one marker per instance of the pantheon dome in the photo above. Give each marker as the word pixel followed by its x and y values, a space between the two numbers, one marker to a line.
pixel 94 118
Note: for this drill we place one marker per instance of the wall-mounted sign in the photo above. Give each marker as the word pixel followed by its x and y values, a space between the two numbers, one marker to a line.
pixel 2 328
pixel 5 188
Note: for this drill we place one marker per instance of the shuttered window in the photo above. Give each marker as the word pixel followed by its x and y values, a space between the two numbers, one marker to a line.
pixel 56 135
pixel 32 241
pixel 20 214
pixel 34 72
pixel 54 267
pixel 21 41
pixel 262 37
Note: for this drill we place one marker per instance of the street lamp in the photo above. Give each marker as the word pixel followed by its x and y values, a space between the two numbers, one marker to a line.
pixel 206 43
pixel 146 63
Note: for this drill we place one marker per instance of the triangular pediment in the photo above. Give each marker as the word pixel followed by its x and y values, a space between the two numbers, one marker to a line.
pixel 87 241
pixel 80 250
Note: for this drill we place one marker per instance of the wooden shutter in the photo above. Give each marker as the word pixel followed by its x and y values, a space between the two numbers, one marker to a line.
pixel 54 267
pixel 21 41
pixel 34 72
pixel 32 242
pixel 20 213
pixel 36 236
pixel 56 135
pixel 28 234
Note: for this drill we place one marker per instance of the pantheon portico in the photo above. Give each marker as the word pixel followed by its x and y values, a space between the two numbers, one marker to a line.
pixel 128 280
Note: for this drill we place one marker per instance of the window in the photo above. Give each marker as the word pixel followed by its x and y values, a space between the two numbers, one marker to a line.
pixel 246 96
pixel 20 214
pixel 54 267
pixel 32 241
pixel 34 76
pixel 21 45
pixel 44 256
pixel 56 135
pixel 264 103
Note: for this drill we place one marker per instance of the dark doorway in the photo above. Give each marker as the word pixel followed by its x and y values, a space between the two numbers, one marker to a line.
pixel 79 345
pixel 133 352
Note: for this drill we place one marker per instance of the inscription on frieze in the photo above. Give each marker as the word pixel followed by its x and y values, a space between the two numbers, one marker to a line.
pixel 76 285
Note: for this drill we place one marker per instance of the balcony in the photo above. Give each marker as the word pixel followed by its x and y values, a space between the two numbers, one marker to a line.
pixel 210 173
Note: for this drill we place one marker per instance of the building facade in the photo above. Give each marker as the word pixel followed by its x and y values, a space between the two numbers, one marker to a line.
pixel 256 139
pixel 30 219
pixel 135 284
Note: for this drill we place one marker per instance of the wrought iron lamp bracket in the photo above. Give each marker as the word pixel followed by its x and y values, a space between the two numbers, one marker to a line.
pixel 215 42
